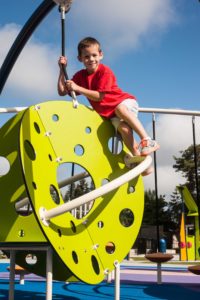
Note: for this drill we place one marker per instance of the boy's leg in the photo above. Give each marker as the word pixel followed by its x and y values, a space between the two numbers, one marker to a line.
pixel 127 136
pixel 131 119
pixel 147 144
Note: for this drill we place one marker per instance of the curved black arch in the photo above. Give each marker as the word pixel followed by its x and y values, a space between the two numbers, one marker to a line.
pixel 39 14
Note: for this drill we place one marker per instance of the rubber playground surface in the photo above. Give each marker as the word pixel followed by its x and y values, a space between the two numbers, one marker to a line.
pixel 137 283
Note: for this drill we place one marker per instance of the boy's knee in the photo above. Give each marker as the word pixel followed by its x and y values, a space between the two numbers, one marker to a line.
pixel 119 109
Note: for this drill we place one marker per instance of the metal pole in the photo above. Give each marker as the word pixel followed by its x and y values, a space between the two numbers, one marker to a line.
pixel 196 163
pixel 159 273
pixel 71 187
pixel 156 184
pixel 63 11
pixel 49 274
pixel 117 281
pixel 197 184
pixel 12 275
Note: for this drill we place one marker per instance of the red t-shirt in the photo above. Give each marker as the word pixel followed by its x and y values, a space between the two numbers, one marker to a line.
pixel 103 80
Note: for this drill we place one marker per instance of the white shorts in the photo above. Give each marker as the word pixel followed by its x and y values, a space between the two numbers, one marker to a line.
pixel 131 105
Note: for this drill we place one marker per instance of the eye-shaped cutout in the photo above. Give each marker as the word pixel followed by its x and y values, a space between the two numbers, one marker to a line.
pixel 126 217
pixel 30 151
pixel 54 194
pixel 37 127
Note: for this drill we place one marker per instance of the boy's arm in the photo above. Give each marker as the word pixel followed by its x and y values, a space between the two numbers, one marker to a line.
pixel 90 94
pixel 61 85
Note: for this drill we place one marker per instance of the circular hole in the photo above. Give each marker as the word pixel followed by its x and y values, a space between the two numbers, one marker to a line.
pixel 75 257
pixel 100 224
pixel 79 150
pixel 115 145
pixel 126 217
pixel 73 227
pixel 54 194
pixel 59 232
pixel 21 233
pixel 88 130
pixel 34 185
pixel 29 150
pixel 31 259
pixel 23 210
pixel 95 264
pixel 55 117
pixel 74 181
pixel 131 189
pixel 4 166
pixel 110 248
pixel 37 128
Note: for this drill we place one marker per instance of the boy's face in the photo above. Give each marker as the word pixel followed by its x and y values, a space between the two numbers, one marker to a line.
pixel 91 57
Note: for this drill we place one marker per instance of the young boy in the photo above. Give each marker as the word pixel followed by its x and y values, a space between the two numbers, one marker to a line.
pixel 98 83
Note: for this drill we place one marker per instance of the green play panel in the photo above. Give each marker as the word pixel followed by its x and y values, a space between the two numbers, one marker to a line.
pixel 36 142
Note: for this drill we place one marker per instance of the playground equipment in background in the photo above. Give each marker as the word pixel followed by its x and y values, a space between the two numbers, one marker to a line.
pixel 189 241
pixel 36 142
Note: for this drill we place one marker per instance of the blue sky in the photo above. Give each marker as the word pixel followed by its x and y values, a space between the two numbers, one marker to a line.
pixel 156 60
pixel 152 46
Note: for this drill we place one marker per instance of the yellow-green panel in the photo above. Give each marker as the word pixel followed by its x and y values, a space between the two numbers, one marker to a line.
pixel 13 226
pixel 190 239
pixel 52 130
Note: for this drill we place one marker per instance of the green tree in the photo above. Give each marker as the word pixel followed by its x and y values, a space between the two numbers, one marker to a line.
pixel 168 211
pixel 76 190
pixel 150 217
pixel 185 164
pixel 174 209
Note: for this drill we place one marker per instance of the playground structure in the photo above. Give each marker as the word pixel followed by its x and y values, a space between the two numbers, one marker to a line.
pixel 35 143
pixel 189 242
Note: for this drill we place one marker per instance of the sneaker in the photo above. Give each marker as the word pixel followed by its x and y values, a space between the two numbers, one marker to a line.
pixel 148 146
pixel 133 161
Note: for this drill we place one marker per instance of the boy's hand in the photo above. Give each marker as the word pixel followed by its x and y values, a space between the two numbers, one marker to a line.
pixel 71 86
pixel 62 61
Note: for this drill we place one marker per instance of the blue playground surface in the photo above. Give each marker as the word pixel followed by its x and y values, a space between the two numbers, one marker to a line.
pixel 136 283
pixel 80 291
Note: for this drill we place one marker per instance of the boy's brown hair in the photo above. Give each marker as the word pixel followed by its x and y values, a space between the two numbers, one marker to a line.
pixel 86 42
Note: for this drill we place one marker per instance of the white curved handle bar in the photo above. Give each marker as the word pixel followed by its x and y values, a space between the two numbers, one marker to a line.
pixel 46 215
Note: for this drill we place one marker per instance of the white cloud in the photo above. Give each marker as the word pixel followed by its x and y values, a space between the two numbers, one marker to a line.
pixel 121 25
pixel 35 71
pixel 8 34
pixel 174 133
pixel 167 180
